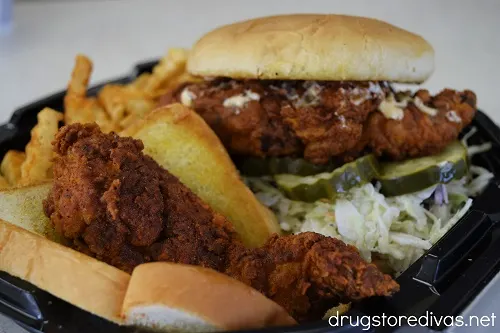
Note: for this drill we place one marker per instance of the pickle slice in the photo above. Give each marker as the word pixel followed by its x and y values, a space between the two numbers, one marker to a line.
pixel 326 185
pixel 398 178
pixel 256 167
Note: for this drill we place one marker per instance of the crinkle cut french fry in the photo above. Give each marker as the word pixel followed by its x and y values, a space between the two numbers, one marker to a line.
pixel 139 106
pixel 110 97
pixel 11 166
pixel 38 163
pixel 99 115
pixel 124 104
pixel 129 120
pixel 183 78
pixel 80 76
pixel 170 66
pixel 173 84
pixel 78 107
pixel 118 106
pixel 75 99
pixel 4 183
pixel 77 111
pixel 140 82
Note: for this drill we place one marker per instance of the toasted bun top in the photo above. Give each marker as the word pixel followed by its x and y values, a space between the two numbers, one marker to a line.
pixel 313 47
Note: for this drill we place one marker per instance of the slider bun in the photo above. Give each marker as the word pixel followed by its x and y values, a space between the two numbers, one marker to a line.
pixel 313 47
pixel 186 298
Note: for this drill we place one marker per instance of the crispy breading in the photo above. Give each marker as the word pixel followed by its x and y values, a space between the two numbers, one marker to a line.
pixel 120 206
pixel 308 273
pixel 315 120
pixel 419 134
pixel 323 121
pixel 169 67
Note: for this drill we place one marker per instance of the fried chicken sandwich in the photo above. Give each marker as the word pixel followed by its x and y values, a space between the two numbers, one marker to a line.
pixel 308 109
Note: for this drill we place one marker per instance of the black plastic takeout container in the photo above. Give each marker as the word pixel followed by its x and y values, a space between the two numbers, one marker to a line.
pixel 444 281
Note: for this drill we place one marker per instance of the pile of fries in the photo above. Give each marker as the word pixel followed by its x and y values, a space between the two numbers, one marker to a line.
pixel 115 108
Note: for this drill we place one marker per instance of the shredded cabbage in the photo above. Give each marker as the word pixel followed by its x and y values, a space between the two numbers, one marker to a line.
pixel 397 229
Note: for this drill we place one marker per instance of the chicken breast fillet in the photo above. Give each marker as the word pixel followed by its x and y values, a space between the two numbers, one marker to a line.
pixel 117 204
pixel 418 133
pixel 325 120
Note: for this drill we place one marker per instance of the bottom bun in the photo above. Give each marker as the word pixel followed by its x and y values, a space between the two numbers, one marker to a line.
pixel 195 299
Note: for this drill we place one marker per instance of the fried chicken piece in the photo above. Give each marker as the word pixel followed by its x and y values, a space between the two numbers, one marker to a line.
pixel 419 134
pixel 308 272
pixel 255 128
pixel 325 121
pixel 315 120
pixel 120 206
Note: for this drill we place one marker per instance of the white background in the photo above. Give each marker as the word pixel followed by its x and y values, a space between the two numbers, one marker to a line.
pixel 36 57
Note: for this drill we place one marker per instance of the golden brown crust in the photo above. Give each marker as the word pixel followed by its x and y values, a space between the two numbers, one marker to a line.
pixel 419 134
pixel 307 273
pixel 340 125
pixel 120 206
pixel 317 120
pixel 313 47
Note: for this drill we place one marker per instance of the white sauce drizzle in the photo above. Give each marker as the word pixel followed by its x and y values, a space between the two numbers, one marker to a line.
pixel 392 109
pixel 239 101
pixel 311 96
pixel 453 117
pixel 342 121
pixel 187 97
pixel 424 108
pixel 375 88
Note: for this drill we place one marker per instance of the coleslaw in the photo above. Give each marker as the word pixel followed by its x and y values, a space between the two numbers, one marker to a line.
pixel 396 229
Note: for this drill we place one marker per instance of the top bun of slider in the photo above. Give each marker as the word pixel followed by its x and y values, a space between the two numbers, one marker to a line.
pixel 313 47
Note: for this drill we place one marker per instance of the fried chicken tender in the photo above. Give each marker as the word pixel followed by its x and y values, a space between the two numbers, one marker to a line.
pixel 314 120
pixel 307 273
pixel 323 121
pixel 117 204
pixel 420 134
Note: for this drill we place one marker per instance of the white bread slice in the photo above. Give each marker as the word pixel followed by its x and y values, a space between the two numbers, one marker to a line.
pixel 187 298
pixel 181 142
pixel 70 275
